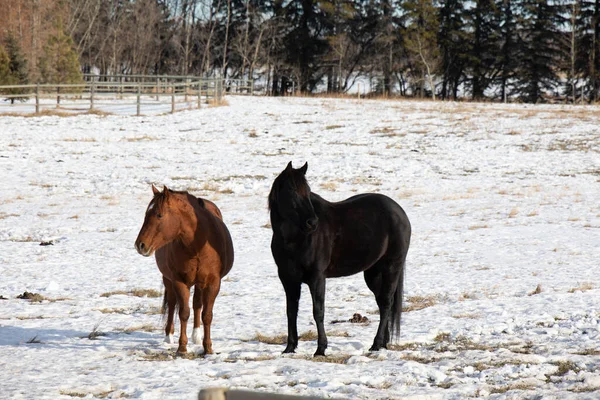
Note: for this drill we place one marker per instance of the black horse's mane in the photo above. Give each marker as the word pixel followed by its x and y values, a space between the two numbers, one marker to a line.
pixel 298 182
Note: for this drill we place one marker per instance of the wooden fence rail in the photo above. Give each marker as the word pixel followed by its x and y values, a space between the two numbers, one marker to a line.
pixel 145 90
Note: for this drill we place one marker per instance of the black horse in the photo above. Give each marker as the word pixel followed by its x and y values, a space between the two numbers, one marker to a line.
pixel 314 239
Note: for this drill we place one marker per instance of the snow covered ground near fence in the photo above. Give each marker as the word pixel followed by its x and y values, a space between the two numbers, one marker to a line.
pixel 502 291
pixel 127 105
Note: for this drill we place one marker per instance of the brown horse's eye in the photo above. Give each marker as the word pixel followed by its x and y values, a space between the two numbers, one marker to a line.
pixel 158 215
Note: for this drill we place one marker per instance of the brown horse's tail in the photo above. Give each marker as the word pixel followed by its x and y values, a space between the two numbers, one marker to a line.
pixel 394 326
pixel 164 309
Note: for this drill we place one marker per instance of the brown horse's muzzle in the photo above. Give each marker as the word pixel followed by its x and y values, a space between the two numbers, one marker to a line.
pixel 143 249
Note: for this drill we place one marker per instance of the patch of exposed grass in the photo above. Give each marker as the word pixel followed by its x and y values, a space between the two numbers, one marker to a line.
pixel 442 337
pixel 260 357
pixel 421 359
pixel 419 302
pixel 584 389
pixel 140 328
pixel 279 339
pixel 538 289
pixel 585 286
pixel 331 186
pixel 467 316
pixel 333 359
pixel 404 346
pixel 481 226
pixel 80 140
pixel 134 292
pixel 95 333
pixel 512 386
pixel 157 356
pixel 144 138
pixel 563 367
pixel 5 215
pixel 97 112
pixel 589 352
pixel 113 310
pixel 308 336
pixel 33 297
pixel 328 127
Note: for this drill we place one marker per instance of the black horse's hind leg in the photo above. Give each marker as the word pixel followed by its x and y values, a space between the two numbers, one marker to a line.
pixel 317 291
pixel 382 279
pixel 292 295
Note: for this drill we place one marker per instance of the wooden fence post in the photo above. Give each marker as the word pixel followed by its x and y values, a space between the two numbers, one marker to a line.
pixel 92 90
pixel 199 94
pixel 57 96
pixel 173 99
pixel 157 88
pixel 121 87
pixel 252 88
pixel 139 95
pixel 37 98
pixel 187 85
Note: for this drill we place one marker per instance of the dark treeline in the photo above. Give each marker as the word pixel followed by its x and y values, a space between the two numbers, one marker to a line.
pixel 530 50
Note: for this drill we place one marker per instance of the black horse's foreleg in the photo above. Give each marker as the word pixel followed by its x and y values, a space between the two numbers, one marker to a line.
pixel 317 291
pixel 292 295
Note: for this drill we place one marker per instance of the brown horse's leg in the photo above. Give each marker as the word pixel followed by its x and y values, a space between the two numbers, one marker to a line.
pixel 171 300
pixel 209 294
pixel 196 338
pixel 183 298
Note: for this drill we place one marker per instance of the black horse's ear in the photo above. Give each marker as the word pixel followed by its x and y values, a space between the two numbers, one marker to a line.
pixel 304 168
pixel 155 190
pixel 289 167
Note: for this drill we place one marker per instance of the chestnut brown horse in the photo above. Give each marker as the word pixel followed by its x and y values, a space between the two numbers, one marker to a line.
pixel 314 239
pixel 192 247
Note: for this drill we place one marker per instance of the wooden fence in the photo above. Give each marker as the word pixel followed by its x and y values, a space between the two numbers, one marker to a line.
pixel 100 92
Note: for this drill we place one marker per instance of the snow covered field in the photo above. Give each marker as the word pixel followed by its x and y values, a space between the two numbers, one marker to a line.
pixel 502 283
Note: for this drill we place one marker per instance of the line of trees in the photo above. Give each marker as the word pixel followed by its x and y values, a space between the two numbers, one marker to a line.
pixel 529 50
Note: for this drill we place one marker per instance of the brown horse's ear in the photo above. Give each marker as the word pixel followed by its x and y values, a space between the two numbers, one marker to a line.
pixel 289 167
pixel 154 189
pixel 304 168
pixel 166 191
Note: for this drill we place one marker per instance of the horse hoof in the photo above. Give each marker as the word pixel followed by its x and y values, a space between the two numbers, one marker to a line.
pixel 181 351
pixel 375 348
pixel 169 339
pixel 289 350
pixel 319 353
pixel 196 336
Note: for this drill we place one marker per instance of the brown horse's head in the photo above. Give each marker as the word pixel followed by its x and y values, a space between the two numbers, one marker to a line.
pixel 290 199
pixel 161 224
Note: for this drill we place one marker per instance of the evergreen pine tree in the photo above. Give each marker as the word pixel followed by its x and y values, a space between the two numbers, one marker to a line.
pixel 484 24
pixel 18 71
pixel 454 46
pixel 539 48
pixel 508 53
pixel 59 63
pixel 589 50
pixel 4 67
pixel 421 41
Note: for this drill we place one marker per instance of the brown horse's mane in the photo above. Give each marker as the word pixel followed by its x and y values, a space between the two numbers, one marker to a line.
pixel 159 198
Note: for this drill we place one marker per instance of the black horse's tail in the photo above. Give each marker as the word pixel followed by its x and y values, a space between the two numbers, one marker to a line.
pixel 394 326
